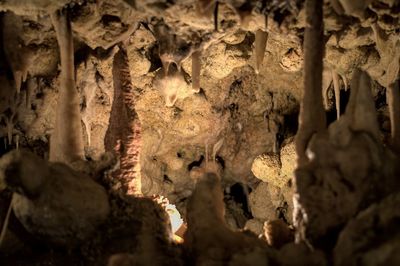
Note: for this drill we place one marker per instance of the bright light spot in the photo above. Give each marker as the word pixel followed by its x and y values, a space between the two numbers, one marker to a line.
pixel 173 87
pixel 174 216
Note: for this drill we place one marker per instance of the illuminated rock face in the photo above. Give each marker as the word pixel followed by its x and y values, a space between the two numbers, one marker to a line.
pixel 225 76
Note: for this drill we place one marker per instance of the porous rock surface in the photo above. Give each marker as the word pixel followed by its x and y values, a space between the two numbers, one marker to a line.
pixel 253 115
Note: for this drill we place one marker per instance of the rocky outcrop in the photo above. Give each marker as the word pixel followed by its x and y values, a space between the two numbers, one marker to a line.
pixel 348 170
pixel 371 238
pixel 52 201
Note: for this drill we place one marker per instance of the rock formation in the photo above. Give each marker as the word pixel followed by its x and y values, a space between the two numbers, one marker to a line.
pixel 270 127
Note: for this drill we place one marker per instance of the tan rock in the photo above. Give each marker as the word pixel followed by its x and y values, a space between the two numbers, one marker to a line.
pixel 288 159
pixel 264 201
pixel 267 168
pixel 255 226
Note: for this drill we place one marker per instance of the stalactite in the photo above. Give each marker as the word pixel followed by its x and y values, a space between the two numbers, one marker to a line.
pixel 89 96
pixel 10 121
pixel 124 133
pixel 196 68
pixel 216 8
pixel 312 116
pixel 260 46
pixel 17 142
pixel 393 101
pixel 345 83
pixel 217 146
pixel 165 64
pixel 20 76
pixel 336 88
pixel 326 84
pixel 30 87
pixel 18 80
pixel 66 141
pixel 86 125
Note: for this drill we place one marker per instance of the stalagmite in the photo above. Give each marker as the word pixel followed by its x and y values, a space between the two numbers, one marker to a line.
pixel 208 238
pixel 6 221
pixel 336 88
pixel 124 133
pixel 361 106
pixel 66 143
pixel 196 68
pixel 312 116
pixel 260 45
pixel 17 142
pixel 393 101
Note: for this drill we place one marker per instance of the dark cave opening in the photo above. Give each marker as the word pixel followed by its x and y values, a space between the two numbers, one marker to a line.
pixel 195 163
pixel 239 193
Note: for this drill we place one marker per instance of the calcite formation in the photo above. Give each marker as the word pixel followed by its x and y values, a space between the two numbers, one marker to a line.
pixel 271 126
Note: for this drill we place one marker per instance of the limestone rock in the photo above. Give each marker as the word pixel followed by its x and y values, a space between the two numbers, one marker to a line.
pixel 220 60
pixel 277 233
pixel 208 238
pixel 255 226
pixel 348 169
pixel 288 159
pixel 371 238
pixel 28 7
pixel 235 38
pixel 267 168
pixel 264 201
pixel 53 202
pixel 292 60
pixel 104 23
pixel 140 63
pixel 300 254
pixel 30 45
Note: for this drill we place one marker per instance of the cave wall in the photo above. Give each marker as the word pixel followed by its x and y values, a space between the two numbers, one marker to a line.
pixel 254 115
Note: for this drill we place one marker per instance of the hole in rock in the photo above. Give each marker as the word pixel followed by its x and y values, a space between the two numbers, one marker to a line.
pixel 220 161
pixel 106 20
pixel 239 193
pixel 167 179
pixel 196 163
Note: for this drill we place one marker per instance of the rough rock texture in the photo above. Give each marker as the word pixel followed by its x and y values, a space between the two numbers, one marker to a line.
pixel 208 239
pixel 52 201
pixel 349 169
pixel 292 254
pixel 268 168
pixel 247 116
pixel 277 233
pixel 255 226
pixel 372 237
pixel 104 23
